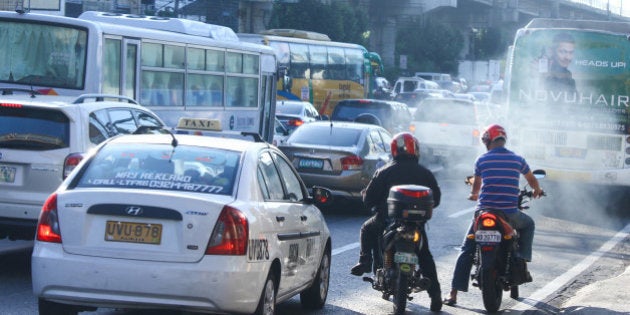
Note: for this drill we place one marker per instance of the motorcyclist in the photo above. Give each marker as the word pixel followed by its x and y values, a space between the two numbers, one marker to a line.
pixel 497 174
pixel 403 169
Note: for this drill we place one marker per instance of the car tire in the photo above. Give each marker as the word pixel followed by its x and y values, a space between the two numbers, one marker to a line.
pixel 267 303
pixel 315 296
pixel 46 307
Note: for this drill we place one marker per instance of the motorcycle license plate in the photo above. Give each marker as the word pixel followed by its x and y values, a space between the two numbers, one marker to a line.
pixel 488 236
pixel 406 258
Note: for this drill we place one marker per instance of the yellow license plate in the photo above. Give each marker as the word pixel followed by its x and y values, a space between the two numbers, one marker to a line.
pixel 133 232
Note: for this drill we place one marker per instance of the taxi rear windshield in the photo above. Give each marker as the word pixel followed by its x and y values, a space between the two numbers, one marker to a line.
pixel 163 167
pixel 33 129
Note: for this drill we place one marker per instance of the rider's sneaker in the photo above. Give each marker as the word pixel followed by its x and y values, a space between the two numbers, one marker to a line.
pixel 436 304
pixel 528 277
pixel 359 269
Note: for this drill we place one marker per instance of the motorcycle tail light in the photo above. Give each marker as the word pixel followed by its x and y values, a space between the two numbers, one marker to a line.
pixel 416 236
pixel 488 222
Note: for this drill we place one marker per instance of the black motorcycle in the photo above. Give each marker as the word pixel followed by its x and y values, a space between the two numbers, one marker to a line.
pixel 396 269
pixel 497 267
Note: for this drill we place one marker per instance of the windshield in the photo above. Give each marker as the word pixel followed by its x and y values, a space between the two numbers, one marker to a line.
pixel 163 167
pixel 33 129
pixel 42 54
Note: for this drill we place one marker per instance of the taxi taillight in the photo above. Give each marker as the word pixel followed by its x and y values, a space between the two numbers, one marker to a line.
pixel 230 233
pixel 48 224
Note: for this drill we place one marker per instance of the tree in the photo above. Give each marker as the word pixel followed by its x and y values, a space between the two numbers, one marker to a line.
pixel 338 20
pixel 430 46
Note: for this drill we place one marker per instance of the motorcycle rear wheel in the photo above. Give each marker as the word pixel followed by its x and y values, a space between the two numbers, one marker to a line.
pixel 491 289
pixel 401 293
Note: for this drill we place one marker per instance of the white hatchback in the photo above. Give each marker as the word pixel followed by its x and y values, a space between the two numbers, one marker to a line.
pixel 184 222
pixel 448 130
pixel 42 139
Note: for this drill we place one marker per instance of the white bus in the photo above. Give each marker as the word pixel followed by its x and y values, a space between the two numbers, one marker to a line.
pixel 176 67
pixel 569 99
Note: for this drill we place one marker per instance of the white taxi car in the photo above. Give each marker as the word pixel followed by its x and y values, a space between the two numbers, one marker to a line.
pixel 196 223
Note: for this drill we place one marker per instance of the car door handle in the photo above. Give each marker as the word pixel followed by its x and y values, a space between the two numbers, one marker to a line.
pixel 279 219
pixel 303 218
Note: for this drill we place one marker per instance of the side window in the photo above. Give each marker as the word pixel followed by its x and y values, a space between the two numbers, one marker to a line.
pixel 97 131
pixel 378 146
pixel 294 189
pixel 122 121
pixel 387 140
pixel 267 170
pixel 146 119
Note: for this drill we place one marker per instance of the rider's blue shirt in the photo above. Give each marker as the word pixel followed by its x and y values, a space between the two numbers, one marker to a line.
pixel 500 170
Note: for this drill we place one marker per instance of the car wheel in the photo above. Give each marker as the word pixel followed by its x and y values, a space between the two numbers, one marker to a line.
pixel 315 296
pixel 53 308
pixel 267 303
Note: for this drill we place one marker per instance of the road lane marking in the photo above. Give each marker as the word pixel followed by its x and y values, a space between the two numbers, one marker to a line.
pixel 345 248
pixel 462 212
pixel 555 284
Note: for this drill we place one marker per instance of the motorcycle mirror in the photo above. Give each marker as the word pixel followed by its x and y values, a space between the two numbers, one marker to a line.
pixel 539 174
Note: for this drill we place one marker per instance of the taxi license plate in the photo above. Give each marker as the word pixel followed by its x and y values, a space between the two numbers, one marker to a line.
pixel 311 163
pixel 133 232
pixel 406 258
pixel 488 236
pixel 7 174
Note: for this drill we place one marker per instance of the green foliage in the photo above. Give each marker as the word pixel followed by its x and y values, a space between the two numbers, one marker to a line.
pixel 338 20
pixel 429 46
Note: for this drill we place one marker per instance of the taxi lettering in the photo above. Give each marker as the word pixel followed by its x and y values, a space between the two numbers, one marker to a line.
pixel 258 249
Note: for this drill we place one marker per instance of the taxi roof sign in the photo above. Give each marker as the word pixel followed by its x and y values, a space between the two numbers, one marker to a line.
pixel 199 124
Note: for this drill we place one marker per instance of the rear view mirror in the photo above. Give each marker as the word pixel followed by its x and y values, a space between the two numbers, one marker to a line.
pixel 322 196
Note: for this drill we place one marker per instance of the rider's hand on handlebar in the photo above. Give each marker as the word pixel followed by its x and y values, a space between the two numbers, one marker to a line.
pixel 537 193
pixel 473 197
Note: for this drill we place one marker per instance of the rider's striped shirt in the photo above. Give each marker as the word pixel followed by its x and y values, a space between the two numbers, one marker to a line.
pixel 500 171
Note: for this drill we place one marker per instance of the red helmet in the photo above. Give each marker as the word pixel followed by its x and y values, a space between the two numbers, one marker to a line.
pixel 404 143
pixel 493 132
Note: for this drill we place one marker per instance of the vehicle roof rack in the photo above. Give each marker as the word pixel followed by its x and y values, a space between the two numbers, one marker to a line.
pixel 102 97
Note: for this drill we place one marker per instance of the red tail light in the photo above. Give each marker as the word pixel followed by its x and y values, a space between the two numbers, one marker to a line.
pixel 71 161
pixel 296 122
pixel 488 222
pixel 48 224
pixel 352 162
pixel 230 234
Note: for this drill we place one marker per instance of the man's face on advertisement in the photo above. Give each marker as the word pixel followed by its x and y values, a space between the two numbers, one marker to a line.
pixel 564 53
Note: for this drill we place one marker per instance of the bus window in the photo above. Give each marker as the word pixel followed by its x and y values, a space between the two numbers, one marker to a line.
pixel 234 62
pixel 174 57
pixel 299 68
pixel 354 65
pixel 215 60
pixel 242 92
pixel 250 64
pixel 111 66
pixel 204 90
pixel 152 55
pixel 337 63
pixel 318 61
pixel 196 59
